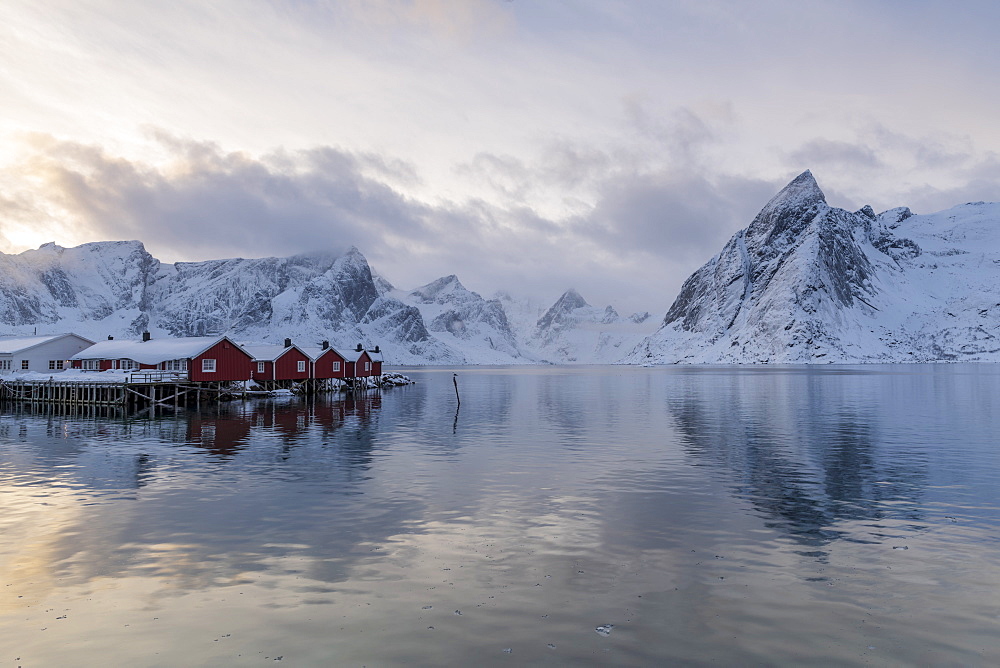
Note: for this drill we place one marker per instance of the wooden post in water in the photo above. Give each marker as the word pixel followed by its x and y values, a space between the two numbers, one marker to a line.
pixel 454 379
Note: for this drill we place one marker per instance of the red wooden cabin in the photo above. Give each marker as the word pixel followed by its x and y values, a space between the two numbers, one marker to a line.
pixel 376 356
pixel 327 362
pixel 288 362
pixel 359 363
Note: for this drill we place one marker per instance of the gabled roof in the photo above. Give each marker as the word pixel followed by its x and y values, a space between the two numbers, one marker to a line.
pixel 15 344
pixel 355 355
pixel 316 353
pixel 266 353
pixel 153 351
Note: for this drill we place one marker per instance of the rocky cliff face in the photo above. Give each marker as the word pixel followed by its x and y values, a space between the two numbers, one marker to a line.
pixel 806 282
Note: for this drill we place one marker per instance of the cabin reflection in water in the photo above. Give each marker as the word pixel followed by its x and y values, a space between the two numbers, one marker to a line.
pixel 107 448
pixel 227 430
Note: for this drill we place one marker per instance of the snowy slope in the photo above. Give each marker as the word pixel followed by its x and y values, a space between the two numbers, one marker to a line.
pixel 807 282
pixel 573 331
pixel 465 321
pixel 105 282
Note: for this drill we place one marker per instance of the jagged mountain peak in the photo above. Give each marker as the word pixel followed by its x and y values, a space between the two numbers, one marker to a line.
pixel 806 282
pixel 790 210
pixel 440 290
pixel 569 301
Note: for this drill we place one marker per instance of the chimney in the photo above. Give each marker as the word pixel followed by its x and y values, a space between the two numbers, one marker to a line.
pixel 288 343
pixel 377 350
pixel 145 336
pixel 360 348
pixel 325 345
pixel 110 338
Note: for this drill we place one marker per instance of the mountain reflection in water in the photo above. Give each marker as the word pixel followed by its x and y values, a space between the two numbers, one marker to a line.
pixel 712 515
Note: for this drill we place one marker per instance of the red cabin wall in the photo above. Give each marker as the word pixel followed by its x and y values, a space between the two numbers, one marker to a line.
pixel 323 367
pixel 360 366
pixel 286 366
pixel 231 363
pixel 376 368
pixel 264 375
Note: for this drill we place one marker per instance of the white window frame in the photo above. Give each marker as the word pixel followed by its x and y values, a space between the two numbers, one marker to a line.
pixel 175 365
pixel 368 366
pixel 90 365
pixel 24 365
pixel 208 365
pixel 336 366
pixel 300 367
pixel 128 365
pixel 4 365
pixel 261 366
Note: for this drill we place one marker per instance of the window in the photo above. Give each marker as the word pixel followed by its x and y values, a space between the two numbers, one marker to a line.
pixel 336 365
pixel 56 365
pixel 301 366
pixel 91 365
pixel 24 365
pixel 4 365
pixel 128 365
pixel 260 367
pixel 208 365
pixel 175 365
pixel 368 366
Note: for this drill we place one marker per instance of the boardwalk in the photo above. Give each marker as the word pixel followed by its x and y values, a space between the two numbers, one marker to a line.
pixel 143 389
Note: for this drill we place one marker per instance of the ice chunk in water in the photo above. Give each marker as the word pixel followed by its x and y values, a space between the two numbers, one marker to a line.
pixel 605 629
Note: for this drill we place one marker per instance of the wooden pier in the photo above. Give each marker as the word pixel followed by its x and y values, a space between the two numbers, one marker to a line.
pixel 141 390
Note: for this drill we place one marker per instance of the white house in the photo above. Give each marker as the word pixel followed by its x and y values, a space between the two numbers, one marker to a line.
pixel 43 354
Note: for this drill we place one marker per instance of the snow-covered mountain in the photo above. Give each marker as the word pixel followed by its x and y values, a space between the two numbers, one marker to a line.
pixel 119 289
pixel 807 282
pixel 804 282
pixel 573 331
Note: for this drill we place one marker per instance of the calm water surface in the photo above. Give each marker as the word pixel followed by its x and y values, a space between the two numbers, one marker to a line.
pixel 699 516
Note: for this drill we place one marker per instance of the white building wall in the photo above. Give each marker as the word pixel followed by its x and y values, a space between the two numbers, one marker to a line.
pixel 38 356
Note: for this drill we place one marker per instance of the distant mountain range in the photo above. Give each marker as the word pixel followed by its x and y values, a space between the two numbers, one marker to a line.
pixel 119 289
pixel 804 283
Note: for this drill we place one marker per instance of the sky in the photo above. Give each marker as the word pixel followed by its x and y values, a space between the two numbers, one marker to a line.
pixel 530 146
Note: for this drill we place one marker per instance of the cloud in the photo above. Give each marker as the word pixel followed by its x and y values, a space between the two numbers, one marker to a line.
pixel 200 201
pixel 205 202
pixel 839 155
pixel 673 217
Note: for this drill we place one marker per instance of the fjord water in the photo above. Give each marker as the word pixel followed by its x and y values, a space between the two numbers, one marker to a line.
pixel 562 516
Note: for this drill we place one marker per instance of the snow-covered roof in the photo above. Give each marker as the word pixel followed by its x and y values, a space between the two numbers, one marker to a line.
pixel 355 355
pixel 153 351
pixel 266 353
pixel 15 344
pixel 316 353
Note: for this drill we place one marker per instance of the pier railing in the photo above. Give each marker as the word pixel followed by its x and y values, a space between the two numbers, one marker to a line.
pixel 154 376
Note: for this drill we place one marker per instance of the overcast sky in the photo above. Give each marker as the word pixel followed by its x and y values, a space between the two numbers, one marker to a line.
pixel 525 145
